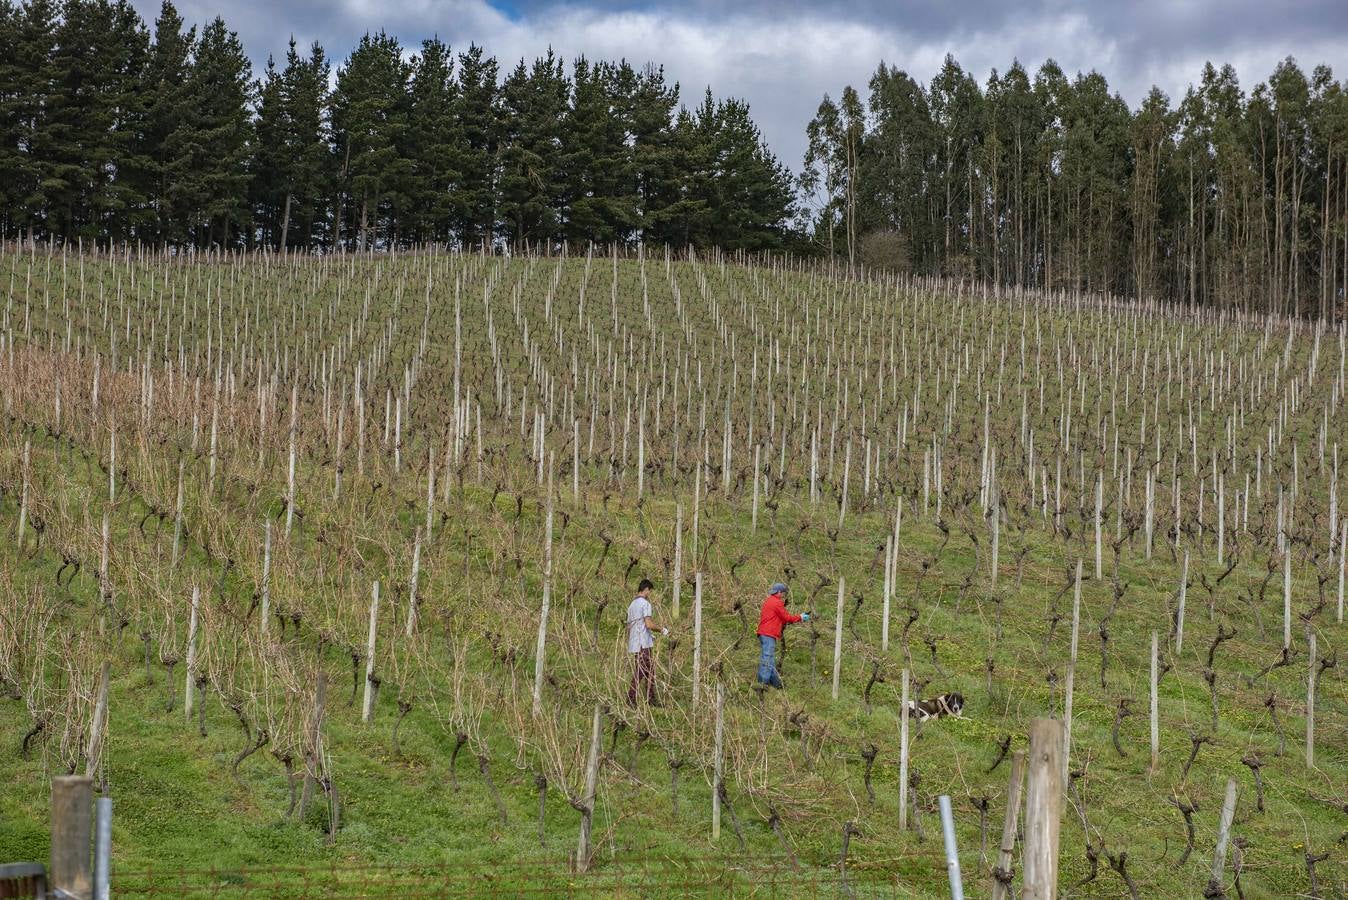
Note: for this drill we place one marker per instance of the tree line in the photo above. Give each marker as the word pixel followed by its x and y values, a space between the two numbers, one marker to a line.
pixel 1228 198
pixel 111 133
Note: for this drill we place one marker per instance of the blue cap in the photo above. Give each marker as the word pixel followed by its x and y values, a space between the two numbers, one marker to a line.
pixel 778 588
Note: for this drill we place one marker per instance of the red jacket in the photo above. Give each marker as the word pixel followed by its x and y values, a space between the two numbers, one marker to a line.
pixel 774 616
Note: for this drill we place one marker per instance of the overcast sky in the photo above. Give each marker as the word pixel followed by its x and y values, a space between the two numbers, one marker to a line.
pixel 782 56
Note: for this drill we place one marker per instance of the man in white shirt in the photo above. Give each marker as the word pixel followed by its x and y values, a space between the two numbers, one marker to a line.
pixel 641 630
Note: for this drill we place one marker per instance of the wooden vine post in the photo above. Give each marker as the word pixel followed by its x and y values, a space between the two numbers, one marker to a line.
pixel 1215 882
pixel 697 637
pixel 1155 719
pixel 1310 699
pixel 903 752
pixel 583 849
pixel 266 577
pixel 540 649
pixel 189 695
pixel 718 768
pixel 837 639
pixel 367 703
pixel 1071 673
pixel 678 559
pixel 1043 809
pixel 1002 874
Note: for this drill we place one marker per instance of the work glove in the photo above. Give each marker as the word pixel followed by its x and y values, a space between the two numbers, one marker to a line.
pixel 805 617
pixel 665 632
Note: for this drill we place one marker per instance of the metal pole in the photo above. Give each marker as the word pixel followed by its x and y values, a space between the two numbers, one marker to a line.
pixel 952 856
pixel 102 847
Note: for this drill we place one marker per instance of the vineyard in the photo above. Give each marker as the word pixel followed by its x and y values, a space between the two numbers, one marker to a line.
pixel 324 562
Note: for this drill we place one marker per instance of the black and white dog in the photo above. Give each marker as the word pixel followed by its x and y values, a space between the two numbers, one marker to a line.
pixel 951 704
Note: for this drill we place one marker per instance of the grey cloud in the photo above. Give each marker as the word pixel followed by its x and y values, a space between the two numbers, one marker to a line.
pixel 782 56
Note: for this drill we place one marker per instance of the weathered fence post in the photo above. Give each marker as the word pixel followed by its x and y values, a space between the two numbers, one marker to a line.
pixel 71 832
pixel 952 856
pixel 1043 808
pixel 98 727
pixel 587 798
pixel 1001 875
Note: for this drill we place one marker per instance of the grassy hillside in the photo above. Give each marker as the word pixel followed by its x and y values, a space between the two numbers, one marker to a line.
pixel 435 399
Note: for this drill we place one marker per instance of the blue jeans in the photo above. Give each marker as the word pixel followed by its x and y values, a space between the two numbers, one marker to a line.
pixel 767 662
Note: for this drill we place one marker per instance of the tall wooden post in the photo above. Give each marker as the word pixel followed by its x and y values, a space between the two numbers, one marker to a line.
pixel 1183 595
pixel 697 637
pixel 1043 809
pixel 266 576
pixel 189 694
pixel 367 704
pixel 718 768
pixel 1223 835
pixel 1001 875
pixel 1287 596
pixel 72 836
pixel 587 799
pixel 541 649
pixel 1071 672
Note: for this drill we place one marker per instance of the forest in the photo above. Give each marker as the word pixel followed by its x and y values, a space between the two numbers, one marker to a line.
pixel 1233 198
pixel 109 133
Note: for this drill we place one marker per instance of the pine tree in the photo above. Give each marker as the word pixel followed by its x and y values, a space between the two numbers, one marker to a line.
pixel 533 103
pixel 206 153
pixel 474 199
pixel 268 160
pixel 166 104
pixel 601 202
pixel 370 118
pixel 35 44
pixel 307 141
pixel 11 156
pixel 435 143
pixel 655 153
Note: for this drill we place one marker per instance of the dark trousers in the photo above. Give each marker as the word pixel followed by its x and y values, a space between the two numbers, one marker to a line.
pixel 643 677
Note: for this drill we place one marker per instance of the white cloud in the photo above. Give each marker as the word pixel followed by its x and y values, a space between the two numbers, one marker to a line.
pixel 783 57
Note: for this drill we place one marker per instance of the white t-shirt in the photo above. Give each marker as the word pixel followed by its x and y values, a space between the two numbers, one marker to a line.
pixel 639 637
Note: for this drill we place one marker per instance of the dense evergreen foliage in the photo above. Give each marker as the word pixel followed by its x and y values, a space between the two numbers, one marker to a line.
pixel 1231 198
pixel 109 133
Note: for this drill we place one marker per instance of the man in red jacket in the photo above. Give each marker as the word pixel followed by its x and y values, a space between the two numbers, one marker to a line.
pixel 770 622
